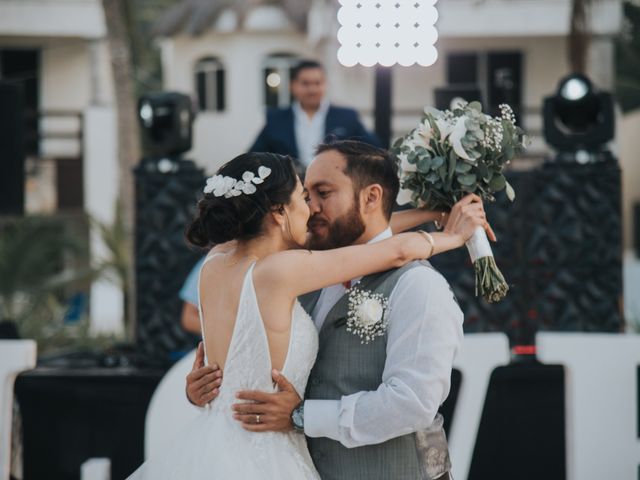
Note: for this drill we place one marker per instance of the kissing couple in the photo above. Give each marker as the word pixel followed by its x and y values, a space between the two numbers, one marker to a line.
pixel 328 339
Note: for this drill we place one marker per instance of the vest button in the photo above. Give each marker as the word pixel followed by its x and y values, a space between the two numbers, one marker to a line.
pixel 315 381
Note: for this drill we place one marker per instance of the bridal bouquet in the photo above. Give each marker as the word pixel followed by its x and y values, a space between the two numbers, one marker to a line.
pixel 451 154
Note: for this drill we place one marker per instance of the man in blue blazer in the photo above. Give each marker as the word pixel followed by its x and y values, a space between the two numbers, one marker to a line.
pixel 310 120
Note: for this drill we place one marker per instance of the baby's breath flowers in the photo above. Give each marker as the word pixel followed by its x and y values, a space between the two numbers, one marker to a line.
pixel 367 314
pixel 455 152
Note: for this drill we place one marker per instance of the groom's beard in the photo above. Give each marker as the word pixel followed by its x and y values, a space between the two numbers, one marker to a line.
pixel 344 231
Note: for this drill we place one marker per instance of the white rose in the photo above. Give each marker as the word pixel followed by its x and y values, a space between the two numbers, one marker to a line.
pixel 370 312
pixel 458 132
pixel 423 134
pixel 445 128
pixel 405 166
pixel 404 196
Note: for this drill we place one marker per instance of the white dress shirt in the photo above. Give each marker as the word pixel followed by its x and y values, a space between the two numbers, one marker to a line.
pixel 423 336
pixel 309 132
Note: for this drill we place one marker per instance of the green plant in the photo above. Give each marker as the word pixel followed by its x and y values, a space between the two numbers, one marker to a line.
pixel 116 265
pixel 42 261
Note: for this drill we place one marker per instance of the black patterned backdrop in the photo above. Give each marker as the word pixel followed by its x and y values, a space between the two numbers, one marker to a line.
pixel 166 195
pixel 559 248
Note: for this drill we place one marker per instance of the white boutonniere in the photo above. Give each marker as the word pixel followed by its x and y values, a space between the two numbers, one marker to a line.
pixel 367 315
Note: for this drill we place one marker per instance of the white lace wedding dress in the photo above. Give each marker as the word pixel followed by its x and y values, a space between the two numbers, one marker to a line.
pixel 214 445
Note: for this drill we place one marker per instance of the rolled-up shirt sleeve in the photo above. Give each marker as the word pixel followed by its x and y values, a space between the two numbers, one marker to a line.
pixel 424 334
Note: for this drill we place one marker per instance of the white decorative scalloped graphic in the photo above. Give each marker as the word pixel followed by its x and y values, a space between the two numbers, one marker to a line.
pixel 387 32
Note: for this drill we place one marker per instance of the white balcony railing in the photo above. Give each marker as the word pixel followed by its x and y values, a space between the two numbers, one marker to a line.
pixel 52 18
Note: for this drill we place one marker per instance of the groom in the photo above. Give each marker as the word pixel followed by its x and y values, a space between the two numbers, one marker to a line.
pixel 382 397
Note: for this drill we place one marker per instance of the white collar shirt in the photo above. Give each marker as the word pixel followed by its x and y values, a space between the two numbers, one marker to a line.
pixel 330 295
pixel 309 131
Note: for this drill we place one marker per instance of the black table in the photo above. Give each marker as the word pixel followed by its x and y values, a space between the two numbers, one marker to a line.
pixel 70 415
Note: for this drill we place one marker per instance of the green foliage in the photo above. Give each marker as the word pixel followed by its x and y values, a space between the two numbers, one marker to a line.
pixel 453 153
pixel 34 252
pixel 42 261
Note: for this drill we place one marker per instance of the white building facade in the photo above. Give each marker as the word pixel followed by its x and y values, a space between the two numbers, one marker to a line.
pixel 57 50
pixel 480 44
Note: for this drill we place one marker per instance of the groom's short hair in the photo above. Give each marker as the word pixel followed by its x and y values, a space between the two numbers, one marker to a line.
pixel 367 165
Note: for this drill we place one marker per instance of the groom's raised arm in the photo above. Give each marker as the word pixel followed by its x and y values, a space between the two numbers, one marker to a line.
pixel 425 332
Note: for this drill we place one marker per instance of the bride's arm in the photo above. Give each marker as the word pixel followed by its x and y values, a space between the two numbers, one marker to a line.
pixel 408 219
pixel 303 271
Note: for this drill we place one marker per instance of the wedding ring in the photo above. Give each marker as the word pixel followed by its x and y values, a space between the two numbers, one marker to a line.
pixel 257 418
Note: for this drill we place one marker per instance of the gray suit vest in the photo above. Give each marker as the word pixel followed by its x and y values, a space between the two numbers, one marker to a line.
pixel 345 366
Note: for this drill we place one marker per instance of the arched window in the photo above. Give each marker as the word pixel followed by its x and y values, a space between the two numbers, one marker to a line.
pixel 277 69
pixel 210 84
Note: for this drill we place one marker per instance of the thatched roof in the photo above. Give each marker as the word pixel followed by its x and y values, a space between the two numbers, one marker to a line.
pixel 193 17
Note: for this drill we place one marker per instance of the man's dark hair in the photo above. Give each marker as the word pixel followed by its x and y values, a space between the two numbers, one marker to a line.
pixel 367 165
pixel 304 65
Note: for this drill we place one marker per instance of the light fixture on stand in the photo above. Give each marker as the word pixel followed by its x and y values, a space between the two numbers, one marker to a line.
pixel 579 120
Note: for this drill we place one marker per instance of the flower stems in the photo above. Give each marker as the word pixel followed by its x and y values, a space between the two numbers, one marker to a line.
pixel 490 282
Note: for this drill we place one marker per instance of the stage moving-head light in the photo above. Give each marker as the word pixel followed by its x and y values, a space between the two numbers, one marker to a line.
pixel 166 119
pixel 578 118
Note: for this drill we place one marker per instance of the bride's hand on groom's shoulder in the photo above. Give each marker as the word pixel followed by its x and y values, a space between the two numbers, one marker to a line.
pixel 203 382
pixel 268 412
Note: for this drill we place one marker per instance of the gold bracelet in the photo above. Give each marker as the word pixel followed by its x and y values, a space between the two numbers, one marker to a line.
pixel 437 223
pixel 429 239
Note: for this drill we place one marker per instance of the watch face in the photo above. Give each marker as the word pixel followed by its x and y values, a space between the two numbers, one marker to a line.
pixel 297 418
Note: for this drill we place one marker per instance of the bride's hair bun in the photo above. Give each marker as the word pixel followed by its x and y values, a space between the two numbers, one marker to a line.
pixel 221 219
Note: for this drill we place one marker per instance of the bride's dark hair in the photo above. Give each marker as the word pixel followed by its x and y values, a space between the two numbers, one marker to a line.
pixel 221 219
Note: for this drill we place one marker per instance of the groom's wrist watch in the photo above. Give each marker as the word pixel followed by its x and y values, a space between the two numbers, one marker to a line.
pixel 297 417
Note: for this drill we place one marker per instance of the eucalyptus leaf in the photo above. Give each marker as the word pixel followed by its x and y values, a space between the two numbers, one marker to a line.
pixel 463 167
pixel 424 164
pixel 497 183
pixel 511 194
pixel 477 106
pixel 467 179
pixel 437 162
pixel 452 163
pixel 509 152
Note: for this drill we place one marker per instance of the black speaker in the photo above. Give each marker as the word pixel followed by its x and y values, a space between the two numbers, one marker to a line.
pixel 11 149
pixel 166 119
pixel 167 191
pixel 445 95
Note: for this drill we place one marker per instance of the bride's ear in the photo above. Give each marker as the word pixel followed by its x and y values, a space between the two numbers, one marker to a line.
pixel 371 197
pixel 278 214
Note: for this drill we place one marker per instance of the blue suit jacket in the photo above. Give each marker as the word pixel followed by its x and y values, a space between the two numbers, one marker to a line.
pixel 278 134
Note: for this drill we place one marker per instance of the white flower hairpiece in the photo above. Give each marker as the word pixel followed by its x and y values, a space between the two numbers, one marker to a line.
pixel 228 187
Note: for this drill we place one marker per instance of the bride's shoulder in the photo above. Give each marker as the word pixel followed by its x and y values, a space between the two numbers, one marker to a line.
pixel 272 271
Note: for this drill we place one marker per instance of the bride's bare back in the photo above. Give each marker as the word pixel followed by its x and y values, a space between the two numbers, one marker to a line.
pixel 220 290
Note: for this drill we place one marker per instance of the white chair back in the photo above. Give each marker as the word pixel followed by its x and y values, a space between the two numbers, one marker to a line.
pixel 15 356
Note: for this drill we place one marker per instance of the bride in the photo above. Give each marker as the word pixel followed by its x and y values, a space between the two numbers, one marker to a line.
pixel 251 320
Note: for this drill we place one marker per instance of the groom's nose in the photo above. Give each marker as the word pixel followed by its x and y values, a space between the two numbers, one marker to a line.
pixel 314 205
